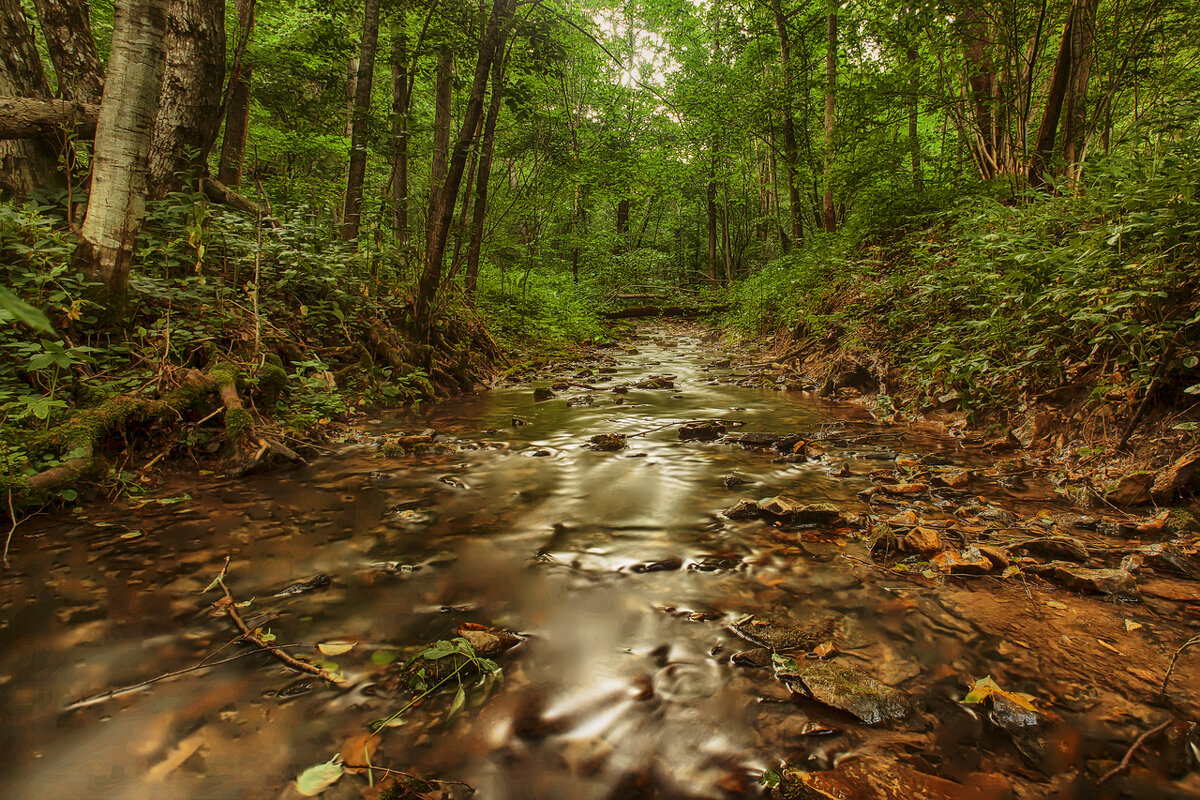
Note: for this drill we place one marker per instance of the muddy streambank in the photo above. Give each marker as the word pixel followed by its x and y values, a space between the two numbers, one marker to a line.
pixel 713 584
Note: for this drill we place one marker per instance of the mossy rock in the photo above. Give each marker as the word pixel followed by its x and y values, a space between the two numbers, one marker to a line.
pixel 272 380
pixel 1180 520
pixel 238 424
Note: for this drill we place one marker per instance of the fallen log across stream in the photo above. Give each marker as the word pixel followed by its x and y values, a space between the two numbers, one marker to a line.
pixel 677 312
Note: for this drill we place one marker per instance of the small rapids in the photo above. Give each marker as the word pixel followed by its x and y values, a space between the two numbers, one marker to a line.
pixel 624 577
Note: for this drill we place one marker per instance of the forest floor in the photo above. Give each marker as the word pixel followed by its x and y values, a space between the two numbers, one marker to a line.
pixel 695 576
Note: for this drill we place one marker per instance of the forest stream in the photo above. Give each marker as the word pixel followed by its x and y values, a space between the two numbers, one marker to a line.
pixel 632 590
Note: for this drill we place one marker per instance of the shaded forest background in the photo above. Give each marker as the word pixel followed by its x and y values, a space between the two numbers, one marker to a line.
pixel 299 207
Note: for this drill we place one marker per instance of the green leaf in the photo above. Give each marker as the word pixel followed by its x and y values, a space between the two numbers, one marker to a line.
pixel 24 313
pixel 460 700
pixel 770 779
pixel 319 777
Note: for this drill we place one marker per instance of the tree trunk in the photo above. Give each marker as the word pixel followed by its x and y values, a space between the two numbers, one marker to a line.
pixel 790 152
pixel 38 118
pixel 829 213
pixel 189 110
pixel 982 79
pixel 1044 148
pixel 710 204
pixel 400 105
pixel 914 141
pixel 441 129
pixel 26 164
pixel 117 202
pixel 1075 118
pixel 352 214
pixel 237 113
pixel 441 205
pixel 485 172
pixel 68 32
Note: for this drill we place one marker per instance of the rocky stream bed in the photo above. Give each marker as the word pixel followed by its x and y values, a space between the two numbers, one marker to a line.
pixel 654 573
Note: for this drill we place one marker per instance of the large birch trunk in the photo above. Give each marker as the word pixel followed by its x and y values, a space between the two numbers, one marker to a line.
pixel 117 202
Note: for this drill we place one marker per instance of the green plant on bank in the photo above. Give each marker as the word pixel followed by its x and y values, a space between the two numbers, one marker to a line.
pixel 1000 301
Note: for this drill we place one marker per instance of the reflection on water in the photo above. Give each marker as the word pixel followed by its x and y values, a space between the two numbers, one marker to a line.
pixel 623 688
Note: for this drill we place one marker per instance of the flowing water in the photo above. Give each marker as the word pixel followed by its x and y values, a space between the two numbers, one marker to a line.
pixel 623 686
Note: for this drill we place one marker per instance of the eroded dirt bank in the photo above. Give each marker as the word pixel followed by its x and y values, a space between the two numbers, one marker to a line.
pixel 710 580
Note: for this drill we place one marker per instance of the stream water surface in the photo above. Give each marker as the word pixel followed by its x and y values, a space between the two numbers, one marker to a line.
pixel 623 576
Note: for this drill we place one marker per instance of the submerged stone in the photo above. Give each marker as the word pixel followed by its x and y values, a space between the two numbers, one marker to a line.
pixel 1113 582
pixel 542 393
pixel 705 431
pixel 848 689
pixel 608 442
pixel 1065 548
pixel 966 562
pixel 876 779
pixel 785 635
pixel 925 541
pixel 743 509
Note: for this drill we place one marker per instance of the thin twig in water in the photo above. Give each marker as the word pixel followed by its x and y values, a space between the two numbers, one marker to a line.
pixel 1192 642
pixel 1132 749
pixel 229 608
pixel 389 771
pixel 12 513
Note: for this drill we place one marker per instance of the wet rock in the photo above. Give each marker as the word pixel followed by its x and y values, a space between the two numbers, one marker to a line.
pixel 744 509
pixel 786 510
pixel 667 564
pixel 958 479
pixel 780 507
pixel 1131 490
pixel 655 383
pixel 582 400
pixel 1113 582
pixel 758 657
pixel 877 779
pixel 903 489
pixel 785 635
pixel 1179 477
pixel 608 442
pixel 840 471
pixel 848 689
pixel 997 555
pixel 1181 521
pixel 543 393
pixel 925 541
pixel 705 431
pixel 1160 557
pixel 734 479
pixel 716 563
pixel 517 422
pixel 757 439
pixel 620 390
pixel 966 562
pixel 313 584
pixel 1063 548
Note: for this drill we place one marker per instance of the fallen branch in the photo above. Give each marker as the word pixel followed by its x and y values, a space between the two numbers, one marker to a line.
pixel 44 118
pixel 1192 642
pixel 1132 749
pixel 228 606
pixel 218 192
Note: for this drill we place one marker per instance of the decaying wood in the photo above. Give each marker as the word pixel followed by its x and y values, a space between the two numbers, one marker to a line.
pixel 44 118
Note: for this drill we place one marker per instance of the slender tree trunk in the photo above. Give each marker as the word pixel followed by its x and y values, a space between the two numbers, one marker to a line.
pixel 1075 118
pixel 400 105
pixel 117 203
pixel 485 173
pixel 710 203
pixel 1059 80
pixel 237 114
pixel 790 151
pixel 914 141
pixel 441 129
pixel 189 109
pixel 830 214
pixel 25 164
pixel 441 205
pixel 982 79
pixel 352 214
pixel 68 32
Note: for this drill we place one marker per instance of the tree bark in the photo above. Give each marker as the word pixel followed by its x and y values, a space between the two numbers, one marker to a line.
pixel 710 205
pixel 400 106
pixel 981 77
pixel 237 113
pixel 829 213
pixel 485 171
pixel 68 32
pixel 189 110
pixel 1044 148
pixel 38 118
pixel 25 164
pixel 1075 117
pixel 352 214
pixel 790 151
pixel 914 141
pixel 441 205
pixel 117 202
pixel 441 129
